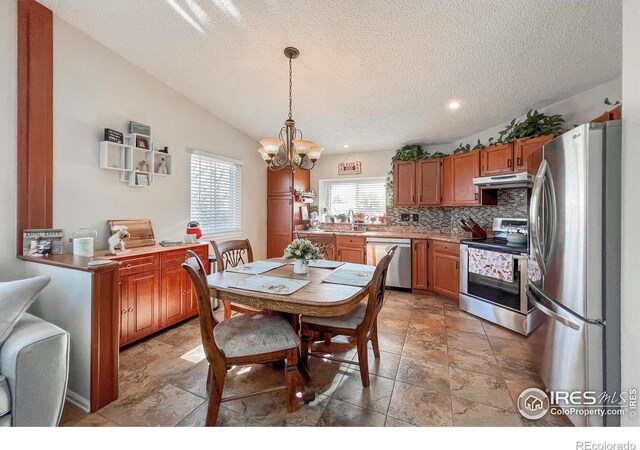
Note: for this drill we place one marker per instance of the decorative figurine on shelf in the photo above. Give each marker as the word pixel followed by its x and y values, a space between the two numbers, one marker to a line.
pixel 162 167
pixel 165 149
pixel 142 166
pixel 120 234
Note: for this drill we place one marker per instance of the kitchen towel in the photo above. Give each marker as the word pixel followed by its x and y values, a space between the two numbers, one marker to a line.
pixel 270 285
pixel 491 264
pixel 256 268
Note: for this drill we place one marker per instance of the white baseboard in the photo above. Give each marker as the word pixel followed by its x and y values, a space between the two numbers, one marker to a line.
pixel 77 400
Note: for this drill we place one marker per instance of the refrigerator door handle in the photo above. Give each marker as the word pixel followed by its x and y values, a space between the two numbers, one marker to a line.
pixel 551 227
pixel 534 210
pixel 547 311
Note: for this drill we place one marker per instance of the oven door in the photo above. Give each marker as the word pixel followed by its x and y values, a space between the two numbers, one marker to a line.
pixel 507 294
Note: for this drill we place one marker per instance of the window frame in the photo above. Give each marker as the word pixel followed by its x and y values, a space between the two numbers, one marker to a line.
pixel 215 156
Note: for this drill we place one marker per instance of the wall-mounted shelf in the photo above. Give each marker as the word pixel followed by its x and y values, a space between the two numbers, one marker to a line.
pixel 157 161
pixel 115 156
pixel 126 158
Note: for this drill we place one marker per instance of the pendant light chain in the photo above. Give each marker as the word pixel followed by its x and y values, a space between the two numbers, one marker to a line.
pixel 290 86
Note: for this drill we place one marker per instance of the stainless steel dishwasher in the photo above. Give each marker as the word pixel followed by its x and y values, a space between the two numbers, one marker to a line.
pixel 399 273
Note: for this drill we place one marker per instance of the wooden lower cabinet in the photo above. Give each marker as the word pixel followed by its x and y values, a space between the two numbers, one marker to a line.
pixel 444 267
pixel 175 299
pixel 420 264
pixel 155 292
pixel 352 249
pixel 143 304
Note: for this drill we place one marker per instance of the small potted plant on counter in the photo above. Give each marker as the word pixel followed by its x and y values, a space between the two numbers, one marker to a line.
pixel 302 251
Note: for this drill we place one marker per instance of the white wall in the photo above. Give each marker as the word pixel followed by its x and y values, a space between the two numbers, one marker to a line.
pixel 630 194
pixel 576 110
pixel 8 137
pixel 95 88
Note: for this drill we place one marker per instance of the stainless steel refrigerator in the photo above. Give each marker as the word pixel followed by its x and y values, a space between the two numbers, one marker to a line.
pixel 574 263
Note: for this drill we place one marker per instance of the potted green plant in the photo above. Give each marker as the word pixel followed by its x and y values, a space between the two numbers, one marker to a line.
pixel 302 251
pixel 535 124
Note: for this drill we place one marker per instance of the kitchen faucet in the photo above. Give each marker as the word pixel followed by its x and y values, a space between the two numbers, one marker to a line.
pixel 350 219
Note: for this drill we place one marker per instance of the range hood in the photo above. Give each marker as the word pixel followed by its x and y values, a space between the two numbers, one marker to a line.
pixel 508 181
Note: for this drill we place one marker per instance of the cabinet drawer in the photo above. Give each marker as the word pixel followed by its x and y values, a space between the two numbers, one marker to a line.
pixel 449 248
pixel 351 241
pixel 177 257
pixel 139 264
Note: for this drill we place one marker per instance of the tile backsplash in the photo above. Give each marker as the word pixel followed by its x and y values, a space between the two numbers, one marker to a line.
pixel 511 203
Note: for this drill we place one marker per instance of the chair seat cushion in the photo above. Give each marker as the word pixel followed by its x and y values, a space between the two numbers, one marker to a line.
pixel 350 320
pixel 255 334
pixel 5 396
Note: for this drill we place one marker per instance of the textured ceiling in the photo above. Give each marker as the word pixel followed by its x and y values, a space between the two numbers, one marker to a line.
pixel 372 74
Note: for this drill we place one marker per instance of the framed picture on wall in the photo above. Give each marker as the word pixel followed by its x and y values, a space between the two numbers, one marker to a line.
pixel 142 179
pixel 142 142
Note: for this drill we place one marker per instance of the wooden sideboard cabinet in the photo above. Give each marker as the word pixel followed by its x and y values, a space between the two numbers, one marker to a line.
pixel 155 292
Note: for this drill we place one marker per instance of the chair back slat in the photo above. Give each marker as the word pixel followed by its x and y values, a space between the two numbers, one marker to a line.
pixel 232 253
pixel 377 288
pixel 208 322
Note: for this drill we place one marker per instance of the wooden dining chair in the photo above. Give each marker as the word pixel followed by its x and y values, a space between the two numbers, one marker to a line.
pixel 256 338
pixel 362 322
pixel 325 242
pixel 231 254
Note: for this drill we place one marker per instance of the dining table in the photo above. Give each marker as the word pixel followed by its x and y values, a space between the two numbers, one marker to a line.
pixel 318 298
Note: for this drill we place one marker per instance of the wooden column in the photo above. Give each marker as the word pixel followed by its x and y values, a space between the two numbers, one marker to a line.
pixel 35 118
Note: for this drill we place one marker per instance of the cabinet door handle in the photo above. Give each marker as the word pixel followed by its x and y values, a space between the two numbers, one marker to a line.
pixel 457 264
pixel 289 201
pixel 130 309
pixel 128 266
pixel 123 312
pixel 509 162
pixel 519 161
pixel 476 196
pixel 186 256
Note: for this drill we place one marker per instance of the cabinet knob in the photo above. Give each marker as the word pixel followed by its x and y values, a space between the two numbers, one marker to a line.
pixel 130 309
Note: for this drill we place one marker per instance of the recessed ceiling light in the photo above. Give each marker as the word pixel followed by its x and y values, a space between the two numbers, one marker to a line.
pixel 454 105
pixel 346 145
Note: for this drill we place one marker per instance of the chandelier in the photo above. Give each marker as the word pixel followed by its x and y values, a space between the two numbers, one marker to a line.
pixel 290 149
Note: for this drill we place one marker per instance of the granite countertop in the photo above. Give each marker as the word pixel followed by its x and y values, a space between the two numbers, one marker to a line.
pixel 438 235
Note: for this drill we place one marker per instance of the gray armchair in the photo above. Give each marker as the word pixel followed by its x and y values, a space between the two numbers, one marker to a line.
pixel 34 367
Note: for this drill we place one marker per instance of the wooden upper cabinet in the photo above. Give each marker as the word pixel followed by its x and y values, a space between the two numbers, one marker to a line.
pixel 429 182
pixel 497 159
pixel 616 113
pixel 280 182
pixel 464 168
pixel 301 180
pixel 528 153
pixel 447 181
pixel 419 264
pixel 404 183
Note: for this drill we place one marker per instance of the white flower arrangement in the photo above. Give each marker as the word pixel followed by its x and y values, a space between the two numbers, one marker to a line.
pixel 302 249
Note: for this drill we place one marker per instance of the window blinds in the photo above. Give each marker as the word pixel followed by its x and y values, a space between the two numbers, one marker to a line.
pixel 216 185
pixel 366 195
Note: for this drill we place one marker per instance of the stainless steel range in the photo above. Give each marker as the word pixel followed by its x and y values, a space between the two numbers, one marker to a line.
pixel 493 277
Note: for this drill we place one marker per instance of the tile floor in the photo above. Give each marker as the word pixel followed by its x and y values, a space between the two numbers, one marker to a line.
pixel 439 366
